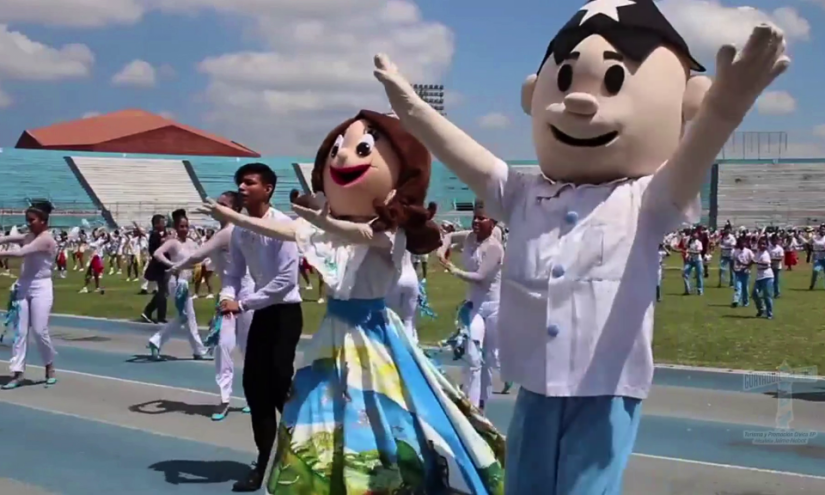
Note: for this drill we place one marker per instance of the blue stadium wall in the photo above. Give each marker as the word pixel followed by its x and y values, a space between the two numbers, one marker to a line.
pixel 28 174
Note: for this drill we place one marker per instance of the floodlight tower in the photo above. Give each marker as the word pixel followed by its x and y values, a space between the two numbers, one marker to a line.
pixel 432 94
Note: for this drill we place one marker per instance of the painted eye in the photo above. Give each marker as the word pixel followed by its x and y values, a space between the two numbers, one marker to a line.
pixel 614 79
pixel 336 147
pixel 365 146
pixel 565 77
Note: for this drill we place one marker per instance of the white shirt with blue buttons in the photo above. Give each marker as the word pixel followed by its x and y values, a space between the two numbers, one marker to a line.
pixel 579 281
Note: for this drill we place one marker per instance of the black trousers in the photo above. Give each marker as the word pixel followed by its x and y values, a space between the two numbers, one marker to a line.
pixel 268 369
pixel 159 300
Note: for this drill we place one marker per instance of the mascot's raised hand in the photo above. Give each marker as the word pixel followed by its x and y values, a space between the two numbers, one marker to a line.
pixel 741 76
pixel 400 93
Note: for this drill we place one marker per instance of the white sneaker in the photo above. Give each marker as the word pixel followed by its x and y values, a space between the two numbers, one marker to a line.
pixel 308 287
pixel 195 296
pixel 321 301
pixel 210 296
pixel 84 290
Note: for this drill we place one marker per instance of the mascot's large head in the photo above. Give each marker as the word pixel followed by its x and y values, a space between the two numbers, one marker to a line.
pixel 613 93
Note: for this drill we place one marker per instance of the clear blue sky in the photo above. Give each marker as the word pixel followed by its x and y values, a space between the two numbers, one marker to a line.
pixel 496 44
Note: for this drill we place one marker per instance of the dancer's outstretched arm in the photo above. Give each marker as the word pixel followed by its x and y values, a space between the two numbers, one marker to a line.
pixel 471 162
pixel 740 79
pixel 12 239
pixel 354 232
pixel 276 229
pixel 218 241
pixel 43 243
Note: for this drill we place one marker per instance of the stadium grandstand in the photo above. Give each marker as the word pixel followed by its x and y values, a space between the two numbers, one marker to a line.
pixel 752 184
pixel 116 188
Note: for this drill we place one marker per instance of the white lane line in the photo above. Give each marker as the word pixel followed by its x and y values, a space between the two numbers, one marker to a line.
pixel 112 423
pixel 729 466
pixel 209 394
pixel 131 382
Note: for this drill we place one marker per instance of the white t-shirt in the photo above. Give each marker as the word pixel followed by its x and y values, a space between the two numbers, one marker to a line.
pixel 727 245
pixel 818 244
pixel 777 255
pixel 695 250
pixel 742 258
pixel 573 331
pixel 763 267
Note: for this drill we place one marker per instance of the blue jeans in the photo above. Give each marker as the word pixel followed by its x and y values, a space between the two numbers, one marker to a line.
pixel 694 266
pixel 740 287
pixel 776 291
pixel 726 265
pixel 763 296
pixel 819 266
pixel 570 445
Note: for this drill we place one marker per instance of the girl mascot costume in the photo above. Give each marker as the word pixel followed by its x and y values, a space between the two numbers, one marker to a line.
pixel 368 413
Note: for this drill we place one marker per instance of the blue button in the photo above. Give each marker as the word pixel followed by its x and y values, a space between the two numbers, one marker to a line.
pixel 558 271
pixel 553 330
pixel 572 217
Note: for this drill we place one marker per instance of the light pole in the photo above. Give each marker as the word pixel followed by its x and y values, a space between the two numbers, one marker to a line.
pixel 432 94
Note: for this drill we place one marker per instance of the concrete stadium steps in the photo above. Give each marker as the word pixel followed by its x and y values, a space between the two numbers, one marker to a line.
pixel 786 192
pixel 133 189
pixel 218 175
pixel 30 174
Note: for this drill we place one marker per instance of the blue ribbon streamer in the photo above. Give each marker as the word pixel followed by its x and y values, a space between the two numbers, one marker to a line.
pixel 181 296
pixel 458 341
pixel 214 335
pixel 424 307
pixel 12 314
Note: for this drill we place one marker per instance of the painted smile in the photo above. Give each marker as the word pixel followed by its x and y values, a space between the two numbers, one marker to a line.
pixel 347 176
pixel 595 142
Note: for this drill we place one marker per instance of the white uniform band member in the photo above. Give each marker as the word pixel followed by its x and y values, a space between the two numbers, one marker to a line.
pixel 32 295
pixel 482 254
pixel 234 329
pixel 173 251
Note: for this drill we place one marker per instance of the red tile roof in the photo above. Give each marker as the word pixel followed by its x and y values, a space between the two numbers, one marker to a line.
pixel 115 125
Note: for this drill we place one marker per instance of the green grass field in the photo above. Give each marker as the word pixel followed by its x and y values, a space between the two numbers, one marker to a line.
pixel 689 330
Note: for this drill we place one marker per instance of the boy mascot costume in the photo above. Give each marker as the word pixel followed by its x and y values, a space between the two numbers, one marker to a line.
pixel 620 169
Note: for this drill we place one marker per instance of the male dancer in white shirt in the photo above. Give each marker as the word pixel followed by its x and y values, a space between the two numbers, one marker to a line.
pixel 276 325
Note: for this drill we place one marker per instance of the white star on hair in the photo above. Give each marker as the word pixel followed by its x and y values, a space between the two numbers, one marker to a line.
pixel 610 8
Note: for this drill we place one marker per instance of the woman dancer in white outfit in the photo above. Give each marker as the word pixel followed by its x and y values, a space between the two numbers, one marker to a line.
pixel 234 328
pixel 173 251
pixel 33 293
pixel 482 255
pixel 403 297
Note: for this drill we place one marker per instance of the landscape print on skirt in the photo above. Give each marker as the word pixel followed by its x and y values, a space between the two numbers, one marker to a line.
pixel 369 414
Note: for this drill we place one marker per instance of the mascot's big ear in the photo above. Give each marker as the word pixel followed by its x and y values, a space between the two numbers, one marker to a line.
pixel 697 88
pixel 527 90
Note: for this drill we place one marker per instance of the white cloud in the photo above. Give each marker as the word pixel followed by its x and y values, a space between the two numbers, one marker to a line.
pixel 5 99
pixel 167 114
pixel 819 131
pixel 314 67
pixel 804 150
pixel 25 59
pixel 137 73
pixel 776 103
pixel 494 121
pixel 166 71
pixel 707 24
pixel 453 99
pixel 89 115
pixel 72 13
